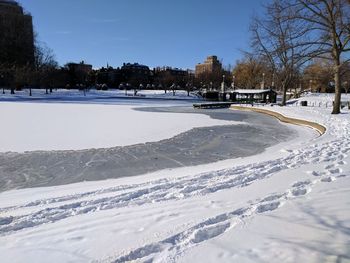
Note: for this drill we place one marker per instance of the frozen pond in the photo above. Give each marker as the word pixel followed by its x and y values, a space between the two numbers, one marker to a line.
pixel 197 146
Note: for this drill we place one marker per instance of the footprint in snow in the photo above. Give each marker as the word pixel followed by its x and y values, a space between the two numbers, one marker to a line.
pixel 6 220
pixel 335 171
pixel 243 212
pixel 330 166
pixel 268 207
pixel 342 175
pixel 272 197
pixel 301 183
pixel 328 179
pixel 300 191
pixel 209 232
pixel 316 173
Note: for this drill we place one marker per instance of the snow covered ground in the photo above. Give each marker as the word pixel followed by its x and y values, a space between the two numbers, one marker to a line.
pixel 79 95
pixel 68 120
pixel 52 126
pixel 288 204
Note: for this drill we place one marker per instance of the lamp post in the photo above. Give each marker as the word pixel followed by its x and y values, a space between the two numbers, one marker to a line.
pixel 223 83
pixel 263 82
pixel 233 81
pixel 273 80
pixel 310 84
pixel 2 83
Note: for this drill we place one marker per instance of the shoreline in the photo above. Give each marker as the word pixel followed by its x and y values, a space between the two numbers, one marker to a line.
pixel 54 191
pixel 198 146
pixel 313 125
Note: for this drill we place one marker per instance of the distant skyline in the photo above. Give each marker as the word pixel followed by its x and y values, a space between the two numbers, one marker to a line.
pixel 177 33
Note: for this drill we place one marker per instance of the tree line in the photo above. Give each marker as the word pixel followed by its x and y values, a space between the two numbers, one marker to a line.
pixel 295 44
pixel 44 72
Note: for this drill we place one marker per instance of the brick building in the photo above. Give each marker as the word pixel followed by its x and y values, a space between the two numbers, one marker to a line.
pixel 167 76
pixel 79 73
pixel 135 74
pixel 211 65
pixel 80 67
pixel 176 72
pixel 110 76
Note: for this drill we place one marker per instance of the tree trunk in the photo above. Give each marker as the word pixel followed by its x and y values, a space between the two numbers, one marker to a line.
pixel 284 94
pixel 337 97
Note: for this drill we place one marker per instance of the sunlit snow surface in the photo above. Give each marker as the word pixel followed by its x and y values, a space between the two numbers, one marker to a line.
pixel 226 135
pixel 287 204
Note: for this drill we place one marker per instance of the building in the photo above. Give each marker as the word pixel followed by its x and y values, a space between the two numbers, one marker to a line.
pixel 172 71
pixel 16 35
pixel 168 76
pixel 135 74
pixel 79 73
pixel 210 66
pixel 249 96
pixel 254 96
pixel 109 76
pixel 135 68
pixel 80 67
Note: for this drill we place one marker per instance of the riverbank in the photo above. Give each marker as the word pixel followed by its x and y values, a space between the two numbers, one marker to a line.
pixel 316 126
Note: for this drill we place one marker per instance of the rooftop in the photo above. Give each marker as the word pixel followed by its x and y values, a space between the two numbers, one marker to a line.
pixel 251 91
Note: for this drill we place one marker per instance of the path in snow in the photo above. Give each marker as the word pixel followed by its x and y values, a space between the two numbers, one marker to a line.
pixel 331 153
pixel 171 248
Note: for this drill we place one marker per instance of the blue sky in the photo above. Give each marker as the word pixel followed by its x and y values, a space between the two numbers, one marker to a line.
pixel 177 33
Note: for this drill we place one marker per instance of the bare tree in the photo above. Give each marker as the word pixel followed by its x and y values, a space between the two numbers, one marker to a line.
pixel 345 76
pixel 211 79
pixel 45 66
pixel 278 40
pixel 317 76
pixel 329 33
pixel 249 72
pixel 44 56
